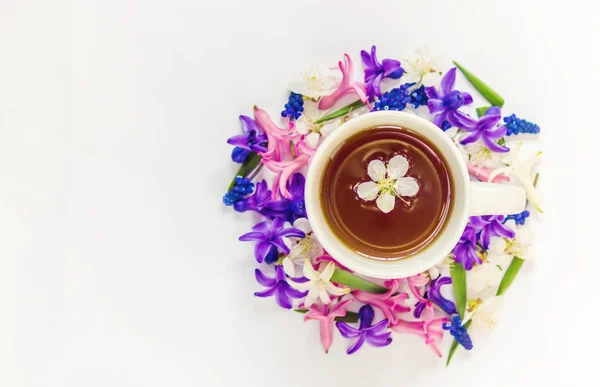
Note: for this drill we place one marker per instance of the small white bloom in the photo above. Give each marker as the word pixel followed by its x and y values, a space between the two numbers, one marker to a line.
pixel 490 272
pixel 485 315
pixel 521 245
pixel 387 183
pixel 307 124
pixel 319 284
pixel 521 169
pixel 301 248
pixel 316 82
pixel 420 68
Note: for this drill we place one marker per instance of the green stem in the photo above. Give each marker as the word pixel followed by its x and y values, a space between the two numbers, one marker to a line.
pixel 481 110
pixel 350 317
pixel 490 95
pixel 355 282
pixel 459 283
pixel 256 172
pixel 509 275
pixel 248 166
pixel 341 112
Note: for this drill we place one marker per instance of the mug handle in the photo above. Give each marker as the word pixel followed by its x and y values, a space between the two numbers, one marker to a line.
pixel 496 199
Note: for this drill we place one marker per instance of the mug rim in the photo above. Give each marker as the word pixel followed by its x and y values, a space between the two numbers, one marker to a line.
pixel 454 224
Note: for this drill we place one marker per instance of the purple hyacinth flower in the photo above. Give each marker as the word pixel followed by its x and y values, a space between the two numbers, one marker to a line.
pixel 464 251
pixel 253 140
pixel 374 335
pixel 279 287
pixel 490 226
pixel 376 71
pixel 269 235
pixel 484 128
pixel 292 208
pixel 256 202
pixel 435 295
pixel 447 101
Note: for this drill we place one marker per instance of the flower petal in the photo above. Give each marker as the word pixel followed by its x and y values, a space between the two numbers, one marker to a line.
pixel 324 296
pixel 329 127
pixel 282 298
pixel 367 191
pixel 386 202
pixel 346 330
pixel 313 293
pixel 303 225
pixel 261 249
pixel 312 139
pixel 448 81
pixel 309 272
pixel 406 186
pixel 327 272
pixel 397 167
pixel 356 346
pixel 376 170
pixel 262 279
pixel 288 267
pixel 336 291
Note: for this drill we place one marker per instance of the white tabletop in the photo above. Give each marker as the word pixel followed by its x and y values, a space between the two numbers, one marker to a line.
pixel 119 266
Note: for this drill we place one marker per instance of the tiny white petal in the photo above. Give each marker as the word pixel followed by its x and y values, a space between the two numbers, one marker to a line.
pixel 309 272
pixel 288 267
pixel 431 79
pixel 406 186
pixel 312 296
pixel 336 291
pixel 327 272
pixel 324 296
pixel 329 127
pixel 303 225
pixel 302 88
pixel 497 245
pixel 397 167
pixel 367 191
pixel 386 202
pixel 312 140
pixel 376 170
pixel 302 125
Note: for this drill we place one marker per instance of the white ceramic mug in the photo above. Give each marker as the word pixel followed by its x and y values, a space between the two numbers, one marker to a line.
pixel 467 198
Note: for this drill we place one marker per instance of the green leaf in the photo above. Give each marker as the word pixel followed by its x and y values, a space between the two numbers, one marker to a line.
pixel 350 317
pixel 481 110
pixel 455 345
pixel 490 95
pixel 459 283
pixel 341 112
pixel 355 282
pixel 509 275
pixel 248 166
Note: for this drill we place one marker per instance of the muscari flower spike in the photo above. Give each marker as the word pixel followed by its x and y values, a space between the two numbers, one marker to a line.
pixel 395 99
pixel 459 332
pixel 242 187
pixel 294 107
pixel 515 125
pixel 253 140
pixel 518 218
pixel 269 237
pixel 418 97
pixel 278 287
pixel 374 335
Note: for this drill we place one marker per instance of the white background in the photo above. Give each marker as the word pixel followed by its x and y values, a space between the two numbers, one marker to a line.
pixel 120 267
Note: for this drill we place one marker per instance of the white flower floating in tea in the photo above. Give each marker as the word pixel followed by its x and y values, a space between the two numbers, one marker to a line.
pixel 387 183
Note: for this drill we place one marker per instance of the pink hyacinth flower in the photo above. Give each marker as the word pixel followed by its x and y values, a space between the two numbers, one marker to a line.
pixel 278 145
pixel 285 169
pixel 430 330
pixel 483 174
pixel 325 315
pixel 348 85
pixel 389 303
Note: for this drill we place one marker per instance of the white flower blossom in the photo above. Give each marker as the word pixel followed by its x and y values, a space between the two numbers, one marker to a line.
pixel 521 169
pixel 387 183
pixel 521 245
pixel 490 272
pixel 301 248
pixel 307 124
pixel 319 284
pixel 485 315
pixel 420 68
pixel 316 82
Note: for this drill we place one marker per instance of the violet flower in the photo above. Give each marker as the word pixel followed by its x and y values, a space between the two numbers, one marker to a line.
pixel 253 140
pixel 269 235
pixel 278 287
pixel 484 128
pixel 447 101
pixel 490 226
pixel 436 297
pixel 389 303
pixel 375 335
pixel 292 208
pixel 376 71
pixel 465 250
pixel 256 202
